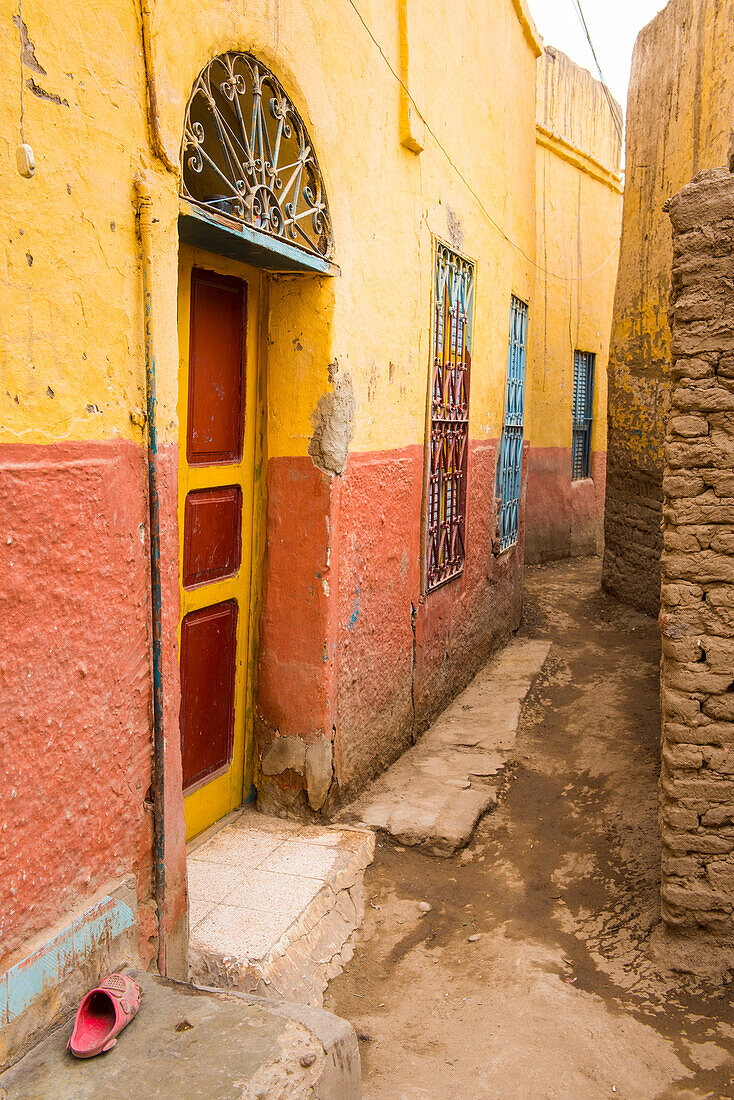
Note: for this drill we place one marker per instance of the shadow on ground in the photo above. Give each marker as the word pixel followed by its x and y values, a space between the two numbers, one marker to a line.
pixel 566 992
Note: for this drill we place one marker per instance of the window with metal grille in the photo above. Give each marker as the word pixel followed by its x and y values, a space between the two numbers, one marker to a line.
pixel 583 413
pixel 509 467
pixel 449 433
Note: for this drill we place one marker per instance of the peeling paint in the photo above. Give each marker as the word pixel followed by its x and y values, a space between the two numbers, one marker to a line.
pixel 45 968
pixel 333 423
pixel 51 97
pixel 29 49
pixel 455 228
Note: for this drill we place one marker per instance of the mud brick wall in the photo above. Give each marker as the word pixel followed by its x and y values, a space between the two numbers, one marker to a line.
pixel 632 532
pixel 697 605
pixel 679 114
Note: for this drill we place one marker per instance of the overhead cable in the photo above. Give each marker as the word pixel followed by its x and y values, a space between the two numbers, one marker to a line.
pixel 607 93
pixel 462 177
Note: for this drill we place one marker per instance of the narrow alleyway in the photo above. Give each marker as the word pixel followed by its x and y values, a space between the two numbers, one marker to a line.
pixel 565 993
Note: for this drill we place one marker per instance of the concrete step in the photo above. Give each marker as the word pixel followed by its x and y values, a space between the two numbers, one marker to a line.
pixel 274 905
pixel 434 795
pixel 203 1045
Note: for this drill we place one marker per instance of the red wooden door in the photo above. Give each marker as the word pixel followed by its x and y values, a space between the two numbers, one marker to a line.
pixel 214 577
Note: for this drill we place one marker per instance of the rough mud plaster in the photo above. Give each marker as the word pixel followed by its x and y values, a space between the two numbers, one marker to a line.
pixel 175 917
pixel 461 623
pixel 697 614
pixel 295 667
pixel 400 656
pixel 282 754
pixel 75 681
pixel 378 588
pixel 680 106
pixel 395 658
pixel 29 50
pixel 565 518
pixel 333 423
pixel 572 105
pixel 319 772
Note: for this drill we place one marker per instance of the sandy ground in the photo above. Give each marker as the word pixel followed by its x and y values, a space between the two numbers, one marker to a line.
pixel 570 989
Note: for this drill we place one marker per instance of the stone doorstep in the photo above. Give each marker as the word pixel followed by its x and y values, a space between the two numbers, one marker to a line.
pixel 274 906
pixel 202 1044
pixel 434 795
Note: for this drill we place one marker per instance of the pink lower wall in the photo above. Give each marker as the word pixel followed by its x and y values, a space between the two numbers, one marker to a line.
pixel 350 649
pixel 379 592
pixel 295 672
pixel 352 655
pixel 75 739
pixel 564 518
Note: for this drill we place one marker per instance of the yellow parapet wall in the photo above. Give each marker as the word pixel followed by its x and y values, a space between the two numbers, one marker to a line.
pixel 578 211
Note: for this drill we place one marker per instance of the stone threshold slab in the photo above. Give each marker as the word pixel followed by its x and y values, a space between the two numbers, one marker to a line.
pixel 274 905
pixel 199 1043
pixel 434 795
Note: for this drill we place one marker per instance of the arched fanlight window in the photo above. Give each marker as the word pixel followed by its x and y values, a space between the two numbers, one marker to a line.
pixel 246 155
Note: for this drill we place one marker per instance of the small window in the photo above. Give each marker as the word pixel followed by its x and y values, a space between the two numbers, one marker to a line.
pixel 583 413
pixel 509 467
pixel 449 436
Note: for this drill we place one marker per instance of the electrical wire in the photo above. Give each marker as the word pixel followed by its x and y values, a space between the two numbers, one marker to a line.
pixel 607 93
pixel 465 181
pixel 22 74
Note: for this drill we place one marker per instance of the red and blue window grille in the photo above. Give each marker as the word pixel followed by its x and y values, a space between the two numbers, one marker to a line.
pixel 449 432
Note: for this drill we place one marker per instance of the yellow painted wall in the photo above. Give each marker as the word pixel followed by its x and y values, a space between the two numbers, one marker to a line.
pixel 70 302
pixel 72 322
pixel 578 217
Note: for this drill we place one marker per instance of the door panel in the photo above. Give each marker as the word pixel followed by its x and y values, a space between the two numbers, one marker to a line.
pixel 218 324
pixel 216 368
pixel 212 542
pixel 208 656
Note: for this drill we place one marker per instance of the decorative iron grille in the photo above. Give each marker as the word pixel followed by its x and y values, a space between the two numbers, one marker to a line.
pixel 583 413
pixel 449 436
pixel 509 467
pixel 246 155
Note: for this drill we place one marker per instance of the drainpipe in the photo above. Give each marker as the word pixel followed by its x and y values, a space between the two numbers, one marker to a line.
pixel 154 122
pixel 144 203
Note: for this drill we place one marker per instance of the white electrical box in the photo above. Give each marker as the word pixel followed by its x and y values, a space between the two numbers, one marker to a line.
pixel 26 160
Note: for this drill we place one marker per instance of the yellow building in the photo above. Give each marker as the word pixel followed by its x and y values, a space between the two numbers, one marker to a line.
pixel 578 215
pixel 260 296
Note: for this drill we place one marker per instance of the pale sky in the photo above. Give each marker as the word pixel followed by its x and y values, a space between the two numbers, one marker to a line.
pixel 613 26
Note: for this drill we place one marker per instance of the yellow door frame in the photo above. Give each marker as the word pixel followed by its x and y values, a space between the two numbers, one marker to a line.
pixel 211 800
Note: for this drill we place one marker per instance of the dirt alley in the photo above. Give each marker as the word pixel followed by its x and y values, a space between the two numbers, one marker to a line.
pixel 568 992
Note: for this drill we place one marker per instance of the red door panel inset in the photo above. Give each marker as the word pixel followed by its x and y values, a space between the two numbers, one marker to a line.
pixel 212 540
pixel 216 369
pixel 208 651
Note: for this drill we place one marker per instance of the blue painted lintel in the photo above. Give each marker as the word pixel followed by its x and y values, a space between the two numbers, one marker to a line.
pixel 239 242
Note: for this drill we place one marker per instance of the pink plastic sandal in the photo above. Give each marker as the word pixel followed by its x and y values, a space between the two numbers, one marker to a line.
pixel 102 1015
